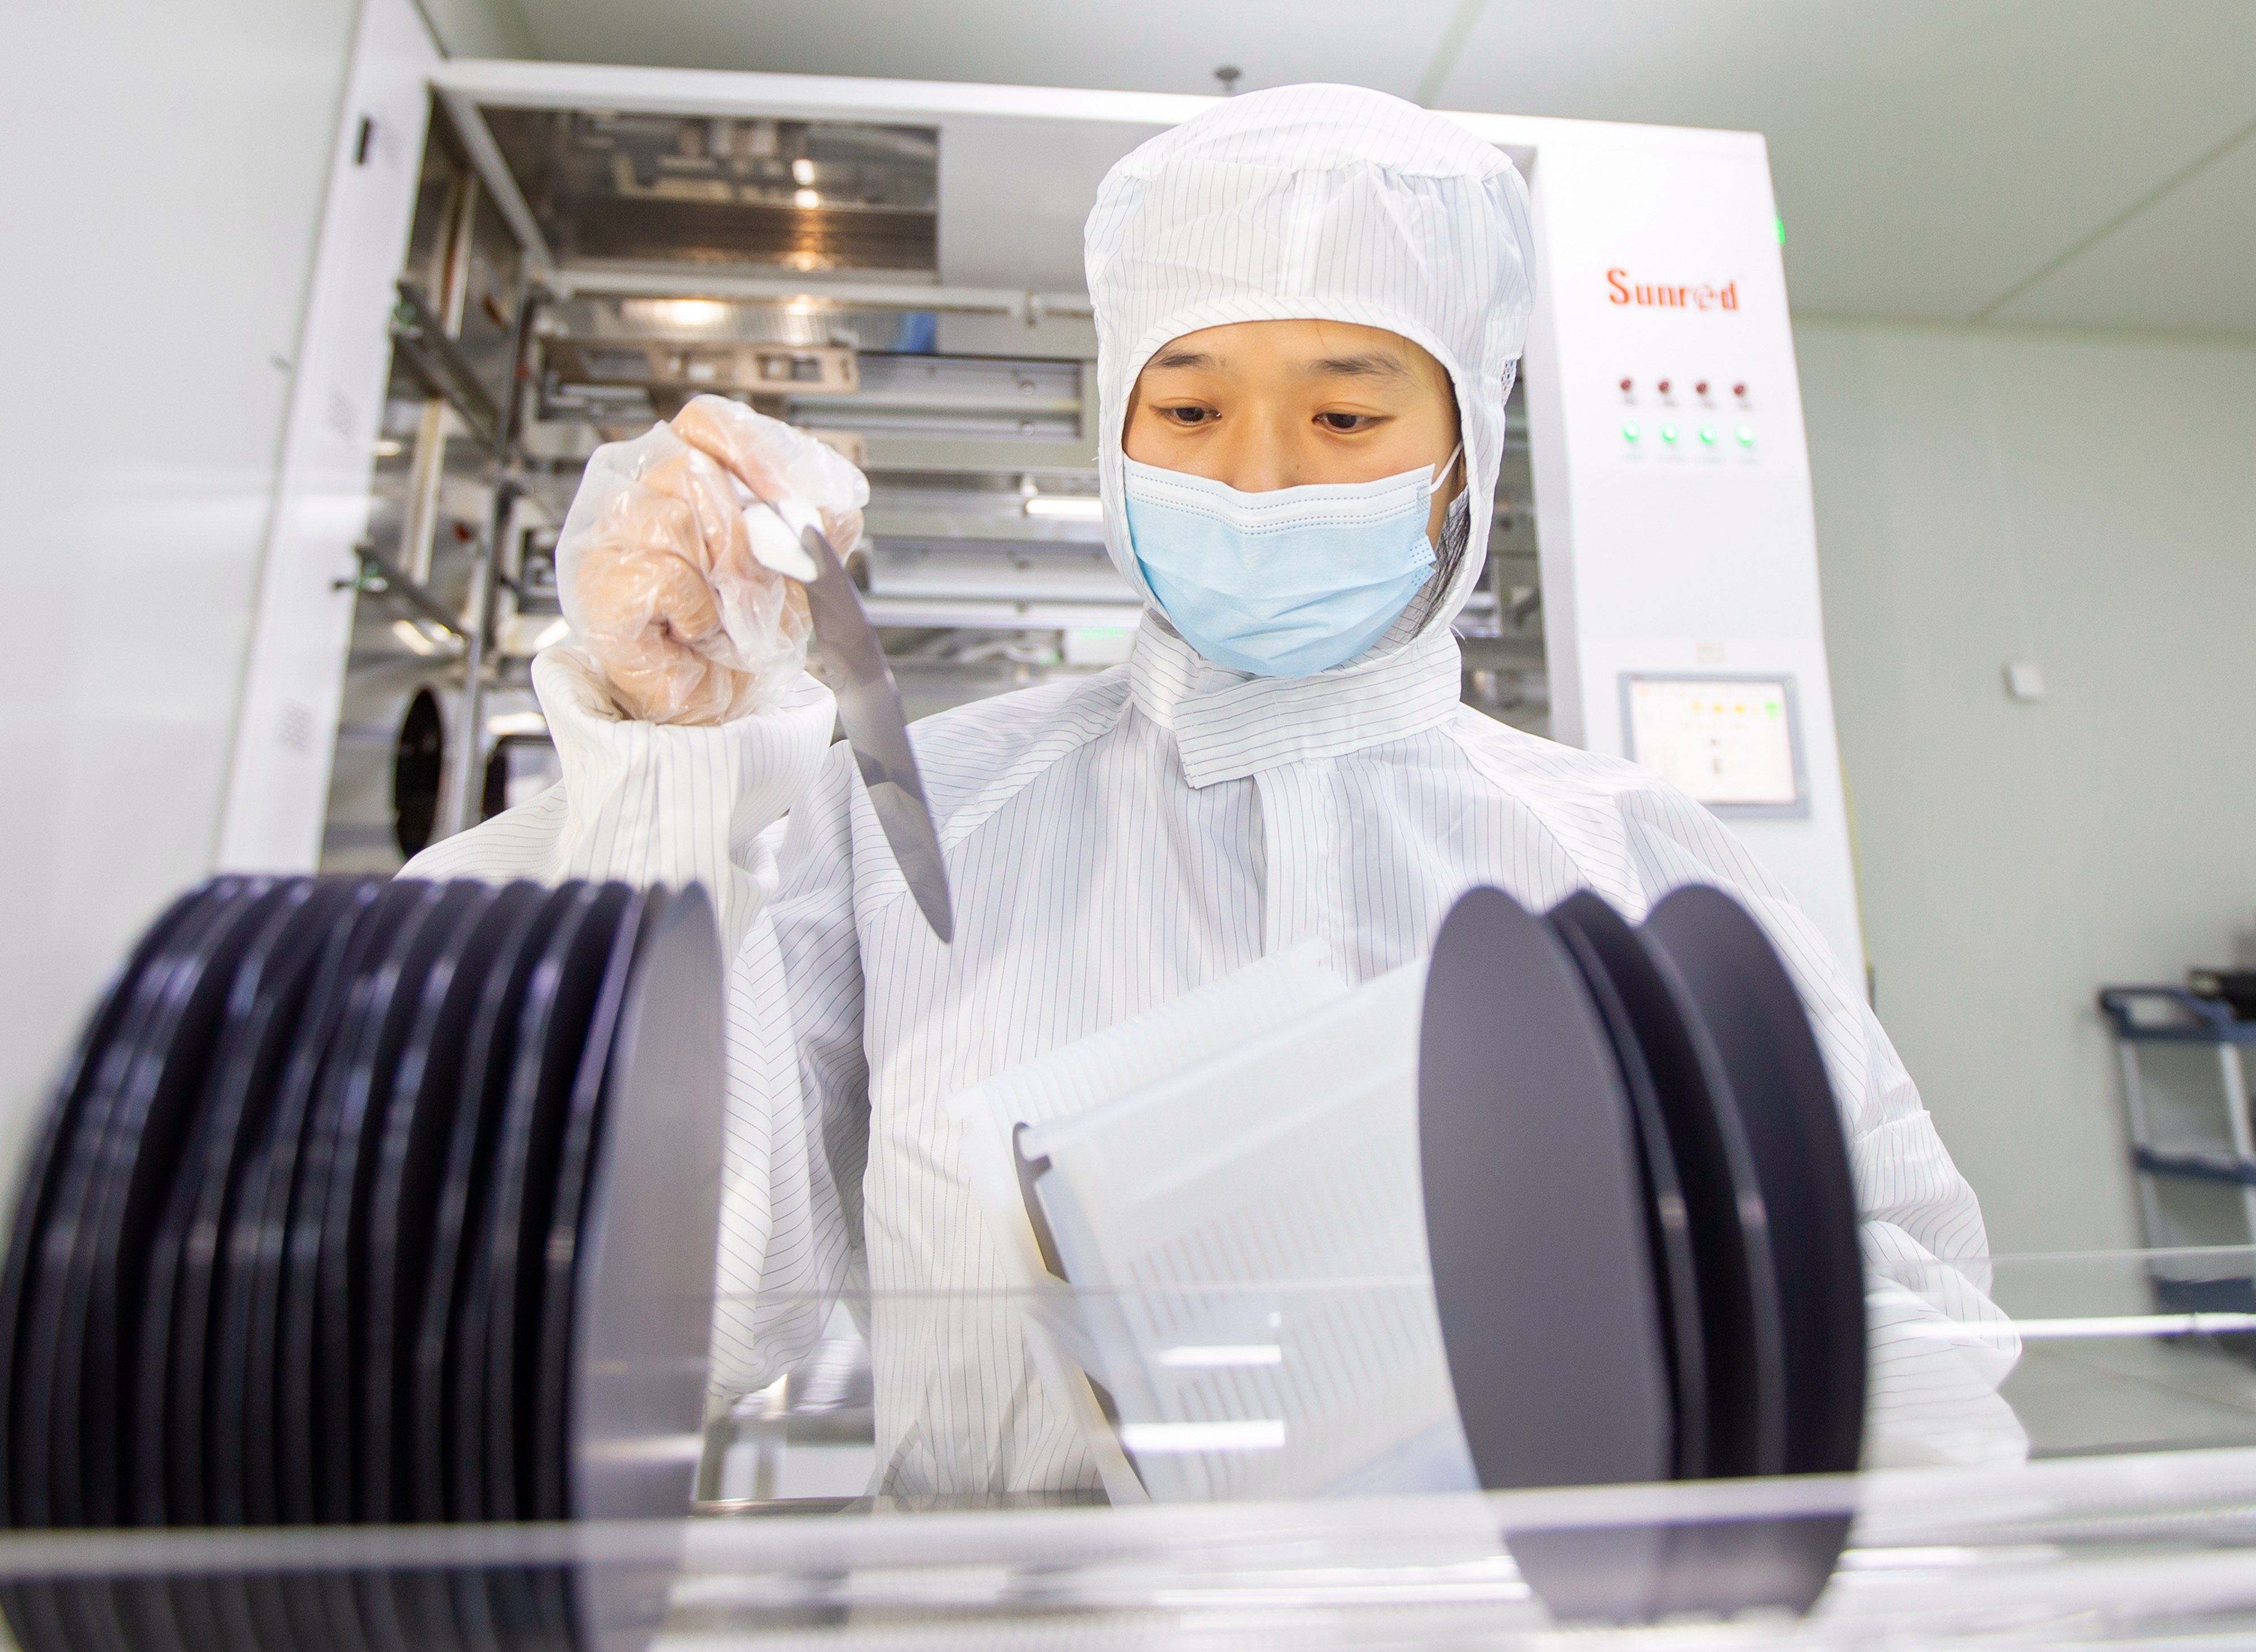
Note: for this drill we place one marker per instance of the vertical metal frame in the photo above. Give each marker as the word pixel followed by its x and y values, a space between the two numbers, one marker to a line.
pixel 500 183
pixel 293 680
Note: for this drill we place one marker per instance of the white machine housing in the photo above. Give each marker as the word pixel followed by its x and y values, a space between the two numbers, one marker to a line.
pixel 1673 523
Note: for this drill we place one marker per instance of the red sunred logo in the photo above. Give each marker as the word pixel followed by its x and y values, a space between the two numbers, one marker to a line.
pixel 1655 295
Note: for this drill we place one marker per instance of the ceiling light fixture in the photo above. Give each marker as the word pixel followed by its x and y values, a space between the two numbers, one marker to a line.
pixel 689 312
pixel 1069 507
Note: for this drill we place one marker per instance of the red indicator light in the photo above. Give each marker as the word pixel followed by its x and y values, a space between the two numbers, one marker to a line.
pixel 1740 390
pixel 1628 384
pixel 1699 389
pixel 1662 387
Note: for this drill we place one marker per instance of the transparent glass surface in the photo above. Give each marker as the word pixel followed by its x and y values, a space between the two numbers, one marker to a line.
pixel 2103 1353
pixel 1289 1448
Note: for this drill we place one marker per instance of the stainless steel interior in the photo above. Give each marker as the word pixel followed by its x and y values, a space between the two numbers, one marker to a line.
pixel 791 266
pixel 633 189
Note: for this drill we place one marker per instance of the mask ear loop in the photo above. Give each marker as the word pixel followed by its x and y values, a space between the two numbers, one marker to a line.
pixel 1441 470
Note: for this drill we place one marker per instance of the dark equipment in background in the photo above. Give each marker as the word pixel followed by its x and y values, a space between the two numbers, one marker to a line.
pixel 418 767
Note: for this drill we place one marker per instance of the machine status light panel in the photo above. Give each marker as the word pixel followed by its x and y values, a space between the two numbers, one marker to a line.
pixel 1672 417
pixel 1731 743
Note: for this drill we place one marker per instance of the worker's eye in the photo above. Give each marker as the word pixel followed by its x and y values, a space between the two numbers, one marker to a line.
pixel 1346 423
pixel 1186 416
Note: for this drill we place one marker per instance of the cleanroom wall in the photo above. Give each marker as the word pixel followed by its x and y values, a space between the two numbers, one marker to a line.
pixel 2087 503
pixel 163 217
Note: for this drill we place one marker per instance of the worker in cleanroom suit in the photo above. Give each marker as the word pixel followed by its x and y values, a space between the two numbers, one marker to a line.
pixel 1309 305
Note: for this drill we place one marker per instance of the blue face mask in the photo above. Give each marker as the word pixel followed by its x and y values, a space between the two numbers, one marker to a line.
pixel 1285 584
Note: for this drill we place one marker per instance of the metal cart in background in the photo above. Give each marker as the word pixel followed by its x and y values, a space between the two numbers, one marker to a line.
pixel 2147 1016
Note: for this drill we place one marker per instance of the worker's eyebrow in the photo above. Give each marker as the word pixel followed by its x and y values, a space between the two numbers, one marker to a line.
pixel 1373 363
pixel 1189 358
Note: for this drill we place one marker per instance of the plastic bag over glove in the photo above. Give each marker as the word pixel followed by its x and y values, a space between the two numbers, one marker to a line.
pixel 657 574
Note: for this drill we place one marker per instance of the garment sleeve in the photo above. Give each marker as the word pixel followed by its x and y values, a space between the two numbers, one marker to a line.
pixel 1938 1347
pixel 649 804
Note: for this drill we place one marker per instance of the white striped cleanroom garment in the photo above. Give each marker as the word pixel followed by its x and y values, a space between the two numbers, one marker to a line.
pixel 1114 841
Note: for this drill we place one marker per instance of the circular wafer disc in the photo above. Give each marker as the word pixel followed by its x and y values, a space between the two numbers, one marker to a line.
pixel 642 1324
pixel 409 1166
pixel 1534 1215
pixel 552 1032
pixel 1537 1229
pixel 562 1256
pixel 166 1454
pixel 449 1340
pixel 1593 931
pixel 1793 1129
pixel 340 1355
pixel 410 1161
pixel 32 1610
pixel 1753 1017
pixel 153 1115
pixel 248 1431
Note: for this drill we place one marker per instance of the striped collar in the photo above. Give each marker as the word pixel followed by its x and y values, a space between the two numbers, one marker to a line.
pixel 1228 725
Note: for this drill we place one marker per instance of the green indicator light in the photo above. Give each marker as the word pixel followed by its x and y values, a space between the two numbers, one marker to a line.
pixel 1708 435
pixel 1629 433
pixel 1746 437
pixel 1669 433
pixel 1779 225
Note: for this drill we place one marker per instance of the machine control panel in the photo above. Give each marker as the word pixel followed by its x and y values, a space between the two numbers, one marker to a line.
pixel 1732 743
pixel 1667 414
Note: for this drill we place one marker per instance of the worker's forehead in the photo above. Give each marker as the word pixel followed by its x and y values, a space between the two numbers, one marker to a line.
pixel 1314 349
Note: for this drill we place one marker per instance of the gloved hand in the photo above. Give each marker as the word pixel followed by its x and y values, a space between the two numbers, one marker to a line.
pixel 657 574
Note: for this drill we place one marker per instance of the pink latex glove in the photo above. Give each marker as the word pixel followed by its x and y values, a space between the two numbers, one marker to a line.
pixel 657 573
